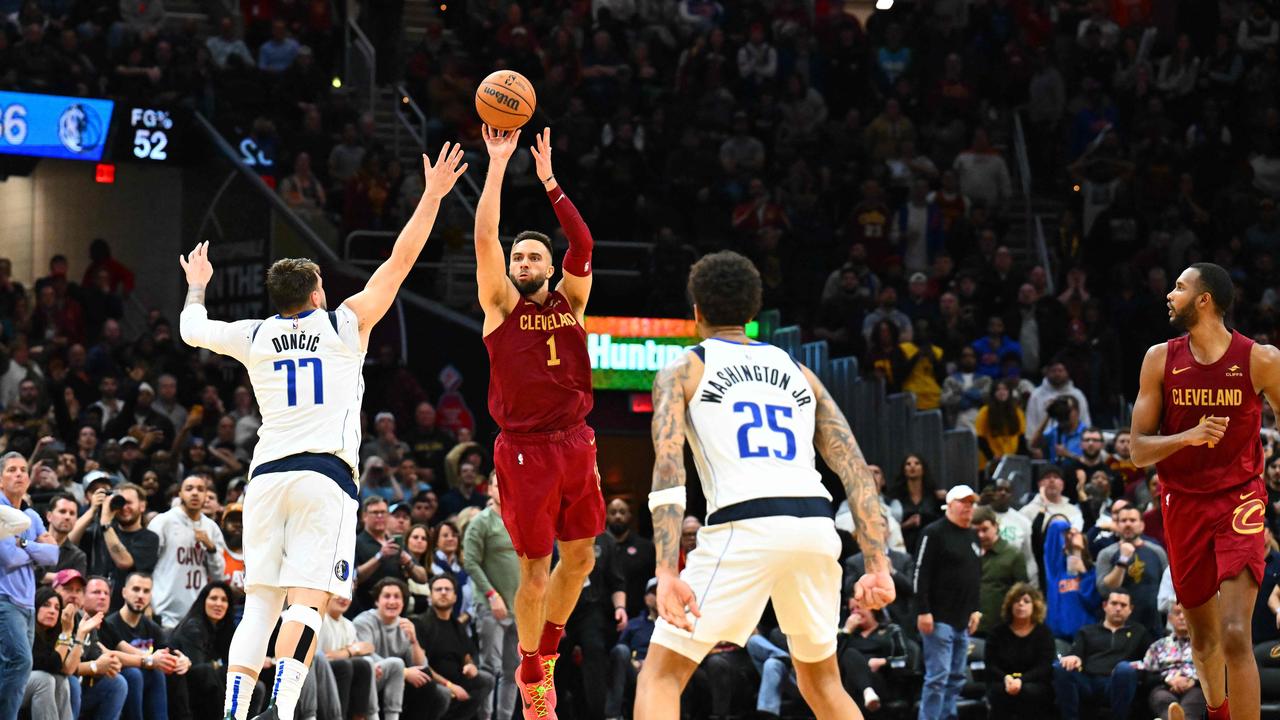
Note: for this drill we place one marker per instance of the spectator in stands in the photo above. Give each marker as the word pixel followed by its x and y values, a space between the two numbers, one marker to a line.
pixel 204 637
pixel 448 560
pixel 114 539
pixel 1060 436
pixel 1056 383
pixel 277 54
pixel 1000 425
pixel 1169 658
pixel 1103 663
pixel 225 44
pixel 344 160
pixel 627 657
pixel 385 443
pixel 1049 501
pixel 354 677
pixel 1019 655
pixel 417 543
pixel 188 554
pixel 601 613
pixel 965 390
pixel 303 190
pixel 48 691
pixel 884 358
pixel 844 517
pixel 1003 567
pixel 865 646
pixel 428 442
pixel 918 498
pixel 922 371
pixel 1069 579
pixel 983 173
pixel 451 653
pixel 948 577
pixel 1136 564
pixel 773 665
pixel 103 690
pixel 1015 528
pixel 886 310
pixel 404 685
pixel 62 515
pixel 993 347
pixel 21 557
pixel 635 553
pixel 377 554
pixel 491 561
pixel 146 657
pixel 424 510
pixel 464 494
pixel 1121 464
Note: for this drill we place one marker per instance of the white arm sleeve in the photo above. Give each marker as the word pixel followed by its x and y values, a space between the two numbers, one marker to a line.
pixel 230 339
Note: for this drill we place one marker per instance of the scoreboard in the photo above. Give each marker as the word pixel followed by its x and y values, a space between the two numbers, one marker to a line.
pixel 92 129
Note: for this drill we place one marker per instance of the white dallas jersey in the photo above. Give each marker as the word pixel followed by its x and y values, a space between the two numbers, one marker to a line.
pixel 750 424
pixel 306 376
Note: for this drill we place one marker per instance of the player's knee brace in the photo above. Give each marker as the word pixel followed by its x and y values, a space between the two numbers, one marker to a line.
pixel 309 618
pixel 261 608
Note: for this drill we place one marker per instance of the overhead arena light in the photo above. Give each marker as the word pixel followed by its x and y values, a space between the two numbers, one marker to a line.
pixel 862 9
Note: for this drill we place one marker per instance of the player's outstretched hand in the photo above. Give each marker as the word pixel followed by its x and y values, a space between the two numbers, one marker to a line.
pixel 501 143
pixel 197 265
pixel 874 591
pixel 441 176
pixel 675 597
pixel 541 152
pixel 1208 432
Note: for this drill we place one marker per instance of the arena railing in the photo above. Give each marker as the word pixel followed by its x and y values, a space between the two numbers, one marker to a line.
pixel 406 111
pixel 356 43
pixel 307 235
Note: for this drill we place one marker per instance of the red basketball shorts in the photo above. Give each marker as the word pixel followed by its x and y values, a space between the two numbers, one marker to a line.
pixel 550 488
pixel 1212 537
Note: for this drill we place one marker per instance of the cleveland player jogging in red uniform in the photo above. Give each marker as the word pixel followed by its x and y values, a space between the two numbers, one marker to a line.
pixel 1198 419
pixel 539 394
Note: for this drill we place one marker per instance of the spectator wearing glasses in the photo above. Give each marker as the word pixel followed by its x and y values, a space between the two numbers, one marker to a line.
pixel 452 654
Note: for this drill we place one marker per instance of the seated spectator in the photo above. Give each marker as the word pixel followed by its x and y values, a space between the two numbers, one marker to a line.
pixel 1169 658
pixel 103 690
pixel 464 494
pixel 627 657
pixel 1015 528
pixel 993 347
pixel 845 522
pixel 447 560
pixel 377 482
pixel 1060 435
pixel 204 636
pixel 277 54
pixel 864 651
pixel 1103 663
pixel 1050 501
pixel 48 693
pixel 964 390
pixel 1003 567
pixel 146 658
pixel 1000 425
pixel 1019 655
pixel 354 677
pixel 777 677
pixel 1070 584
pixel 225 44
pixel 404 685
pixel 417 542
pixel 1056 383
pixel 377 554
pixel 302 190
pixel 451 653
pixel 1136 564
pixel 922 371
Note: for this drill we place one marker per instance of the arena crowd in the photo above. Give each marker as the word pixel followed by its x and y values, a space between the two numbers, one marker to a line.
pixel 869 171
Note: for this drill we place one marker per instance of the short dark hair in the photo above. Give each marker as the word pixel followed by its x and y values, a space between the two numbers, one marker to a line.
pixel 1129 508
pixel 371 501
pixel 445 576
pixel 533 235
pixel 726 287
pixel 59 496
pixel 1119 591
pixel 983 514
pixel 376 591
pixel 1215 280
pixel 290 281
pixel 1092 429
pixel 133 574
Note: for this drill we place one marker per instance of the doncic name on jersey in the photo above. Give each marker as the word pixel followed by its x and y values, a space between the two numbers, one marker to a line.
pixel 296 341
pixel 731 375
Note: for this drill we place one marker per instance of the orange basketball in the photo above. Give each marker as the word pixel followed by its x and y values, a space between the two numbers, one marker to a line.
pixel 505 100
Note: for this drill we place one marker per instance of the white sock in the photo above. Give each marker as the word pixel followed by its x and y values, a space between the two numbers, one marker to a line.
pixel 239 694
pixel 290 675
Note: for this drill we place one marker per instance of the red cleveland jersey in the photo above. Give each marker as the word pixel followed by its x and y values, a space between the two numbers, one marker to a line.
pixel 1224 389
pixel 539 370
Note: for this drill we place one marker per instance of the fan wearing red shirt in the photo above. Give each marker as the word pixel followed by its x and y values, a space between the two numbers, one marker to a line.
pixel 539 395
pixel 1198 419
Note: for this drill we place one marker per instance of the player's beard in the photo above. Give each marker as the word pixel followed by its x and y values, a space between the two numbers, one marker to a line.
pixel 1185 319
pixel 530 285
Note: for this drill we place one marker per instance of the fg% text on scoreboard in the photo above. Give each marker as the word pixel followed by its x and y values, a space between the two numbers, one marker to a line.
pixel 151 129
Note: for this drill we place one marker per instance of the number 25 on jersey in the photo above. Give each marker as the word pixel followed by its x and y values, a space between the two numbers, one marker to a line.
pixel 291 378
pixel 780 434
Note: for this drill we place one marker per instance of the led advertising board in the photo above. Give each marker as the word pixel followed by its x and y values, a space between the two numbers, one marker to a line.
pixel 626 352
pixel 54 126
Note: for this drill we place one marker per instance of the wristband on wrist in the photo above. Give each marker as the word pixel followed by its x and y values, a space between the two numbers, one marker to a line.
pixel 550 177
pixel 488 594
pixel 93 666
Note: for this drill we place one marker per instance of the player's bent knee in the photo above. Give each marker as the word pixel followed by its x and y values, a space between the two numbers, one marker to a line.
pixel 1236 639
pixel 309 618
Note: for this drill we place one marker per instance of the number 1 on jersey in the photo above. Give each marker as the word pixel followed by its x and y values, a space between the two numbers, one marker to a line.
pixel 551 343
pixel 291 378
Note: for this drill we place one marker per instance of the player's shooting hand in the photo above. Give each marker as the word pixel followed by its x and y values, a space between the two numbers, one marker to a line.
pixel 541 152
pixel 500 143
pixel 675 599
pixel 197 265
pixel 441 177
pixel 874 591
pixel 1208 432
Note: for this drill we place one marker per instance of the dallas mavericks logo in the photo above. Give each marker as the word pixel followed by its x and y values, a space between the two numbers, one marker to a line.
pixel 79 128
pixel 342 570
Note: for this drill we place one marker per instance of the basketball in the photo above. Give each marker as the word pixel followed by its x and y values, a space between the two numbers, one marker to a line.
pixel 505 100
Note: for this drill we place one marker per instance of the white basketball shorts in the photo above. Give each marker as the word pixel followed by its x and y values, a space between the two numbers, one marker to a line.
pixel 299 531
pixel 739 566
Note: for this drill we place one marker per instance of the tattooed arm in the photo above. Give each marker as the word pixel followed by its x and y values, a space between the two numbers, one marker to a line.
pixel 666 502
pixel 838 447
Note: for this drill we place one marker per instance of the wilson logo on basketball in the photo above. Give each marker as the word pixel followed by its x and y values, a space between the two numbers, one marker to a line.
pixel 502 98
pixel 1248 517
